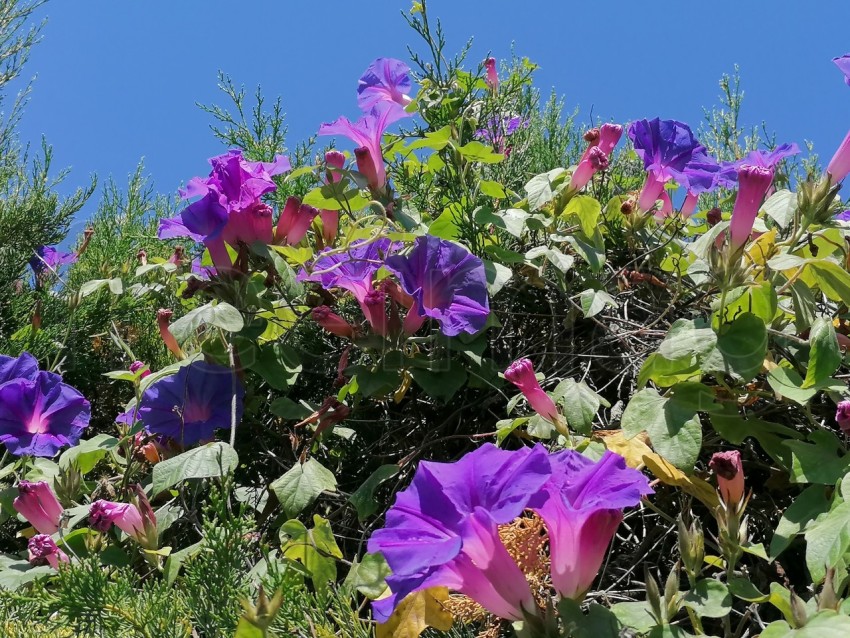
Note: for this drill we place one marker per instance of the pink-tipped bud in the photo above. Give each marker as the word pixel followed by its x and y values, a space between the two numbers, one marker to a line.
pixel 294 222
pixel 366 166
pixel 163 319
pixel 521 374
pixel 150 537
pixel 839 165
pixel 332 322
pixel 375 309
pixel 492 74
pixel 596 156
pixel 177 256
pixel 286 220
pixel 842 416
pixel 330 225
pixel 42 550
pixel 753 182
pixel 689 205
pixel 38 504
pixel 138 365
pixel 142 257
pixel 730 477
pixel 334 159
pixel 104 514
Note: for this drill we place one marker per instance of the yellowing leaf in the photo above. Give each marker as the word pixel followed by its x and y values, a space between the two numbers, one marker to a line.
pixel 633 450
pixel 417 611
pixel 761 250
pixel 670 475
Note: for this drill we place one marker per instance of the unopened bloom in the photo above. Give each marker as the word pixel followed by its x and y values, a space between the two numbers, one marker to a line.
pixel 334 159
pixel 492 78
pixel 40 414
pixel 192 404
pixel 136 519
pixel 385 80
pixel 136 366
pixel 521 374
pixel 330 218
pixel 163 320
pixel 730 476
pixel 374 306
pixel 447 284
pixel 367 132
pixel 37 503
pixel 332 322
pixel 595 158
pixel 839 165
pixel 294 222
pixel 843 63
pixel 753 183
pixel 842 416
pixel 43 550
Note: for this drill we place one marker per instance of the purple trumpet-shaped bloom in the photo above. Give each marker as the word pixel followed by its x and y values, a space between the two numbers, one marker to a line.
pixel 582 507
pixel 192 404
pixel 753 184
pixel 43 550
pixel 447 284
pixel 666 148
pixel 443 529
pixel 385 80
pixel 521 374
pixel 37 503
pixel 23 367
pixel 353 269
pixel 728 175
pixel 492 77
pixel 843 217
pixel 47 258
pixel 39 415
pixel 367 133
pixel 839 165
pixel 843 63
pixel 699 176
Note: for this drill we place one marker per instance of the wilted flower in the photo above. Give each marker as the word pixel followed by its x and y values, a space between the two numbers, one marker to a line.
pixel 842 416
pixel 521 374
pixel 40 414
pixel 192 404
pixel 43 550
pixel 843 63
pixel 839 165
pixel 492 78
pixel 753 183
pixel 447 283
pixel 139 365
pixel 602 141
pixel 730 477
pixel 332 322
pixel 135 519
pixel 48 258
pixel 385 80
pixel 163 320
pixel 328 415
pixel 367 133
pixel 37 503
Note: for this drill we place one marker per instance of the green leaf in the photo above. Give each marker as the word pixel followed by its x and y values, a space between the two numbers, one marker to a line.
pixel 787 383
pixel 594 301
pixel 599 622
pixel 511 220
pixel 440 384
pixel 301 485
pixel 586 210
pixel 541 188
pixel 116 287
pixel 478 152
pixel 741 348
pixel 831 278
pixel 825 355
pixel 781 206
pixel 435 140
pixel 86 454
pixel 316 549
pixel 635 615
pixel 363 497
pixel 493 189
pixel 175 560
pixel 368 576
pixel 278 364
pixel 446 225
pixel 827 541
pixel 222 315
pixel 810 504
pixel 207 461
pixel 709 598
pixel 817 461
pixel 824 624
pixel 497 276
pixel 580 404
pixel 590 247
pixel 14 574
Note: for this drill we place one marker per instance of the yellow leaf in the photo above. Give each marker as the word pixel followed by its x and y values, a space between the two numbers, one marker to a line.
pixel 762 249
pixel 670 475
pixel 633 450
pixel 417 611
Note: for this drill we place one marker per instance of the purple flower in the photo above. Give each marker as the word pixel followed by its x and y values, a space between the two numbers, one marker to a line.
pixel 728 175
pixel 842 416
pixel 754 182
pixel 352 269
pixel 23 367
pixel 840 217
pixel 492 77
pixel 192 404
pixel 839 165
pixel 385 80
pixel 497 130
pixel 447 283
pixel 521 374
pixel 367 133
pixel 39 415
pixel 595 158
pixel 43 550
pixel 48 258
pixel 202 272
pixel 37 503
pixel 442 530
pixel 843 63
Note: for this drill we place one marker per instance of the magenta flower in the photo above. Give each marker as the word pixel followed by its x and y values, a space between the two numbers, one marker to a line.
pixel 38 504
pixel 294 222
pixel 332 322
pixel 842 416
pixel 104 514
pixel 843 217
pixel 492 78
pixel 582 507
pixel 43 550
pixel 47 258
pixel 367 133
pixel 839 165
pixel 23 367
pixel 39 415
pixel 728 175
pixel 352 269
pixel 192 404
pixel 843 63
pixel 447 284
pixel 385 80
pixel 700 175
pixel 521 374
pixel 596 155
pixel 374 307
pixel 666 148
pixel 753 184
pixel 330 218
pixel 136 366
pixel 730 477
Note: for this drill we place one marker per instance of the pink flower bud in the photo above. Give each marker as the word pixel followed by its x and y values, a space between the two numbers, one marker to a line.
pixel 138 365
pixel 43 550
pixel 690 204
pixel 730 476
pixel 332 322
pixel 374 308
pixel 294 222
pixel 839 165
pixel 330 225
pixel 595 158
pixel 104 514
pixel 163 319
pixel 521 374
pixel 842 416
pixel 37 503
pixel 334 159
pixel 492 74
pixel 753 182
pixel 366 166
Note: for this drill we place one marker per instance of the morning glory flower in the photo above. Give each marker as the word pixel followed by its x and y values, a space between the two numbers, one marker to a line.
pixel 730 477
pixel 601 143
pixel 492 77
pixel 840 217
pixel 843 63
pixel 367 133
pixel 666 147
pixel 842 416
pixel 521 374
pixel 447 284
pixel 192 404
pixel 352 269
pixel 43 550
pixel 839 165
pixel 136 519
pixel 700 175
pixel 385 80
pixel 753 184
pixel 37 503
pixel 39 415
pixel 728 175
pixel 47 258
pixel 23 367
pixel 498 130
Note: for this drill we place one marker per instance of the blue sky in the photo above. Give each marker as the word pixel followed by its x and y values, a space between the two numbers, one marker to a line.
pixel 118 81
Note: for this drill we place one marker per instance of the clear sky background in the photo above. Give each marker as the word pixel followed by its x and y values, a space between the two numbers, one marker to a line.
pixel 117 80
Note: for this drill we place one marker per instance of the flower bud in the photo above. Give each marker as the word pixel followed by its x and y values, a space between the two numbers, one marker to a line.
pixel 492 74
pixel 163 319
pixel 842 416
pixel 521 374
pixel 332 322
pixel 43 551
pixel 730 477
pixel 38 504
pixel 839 165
